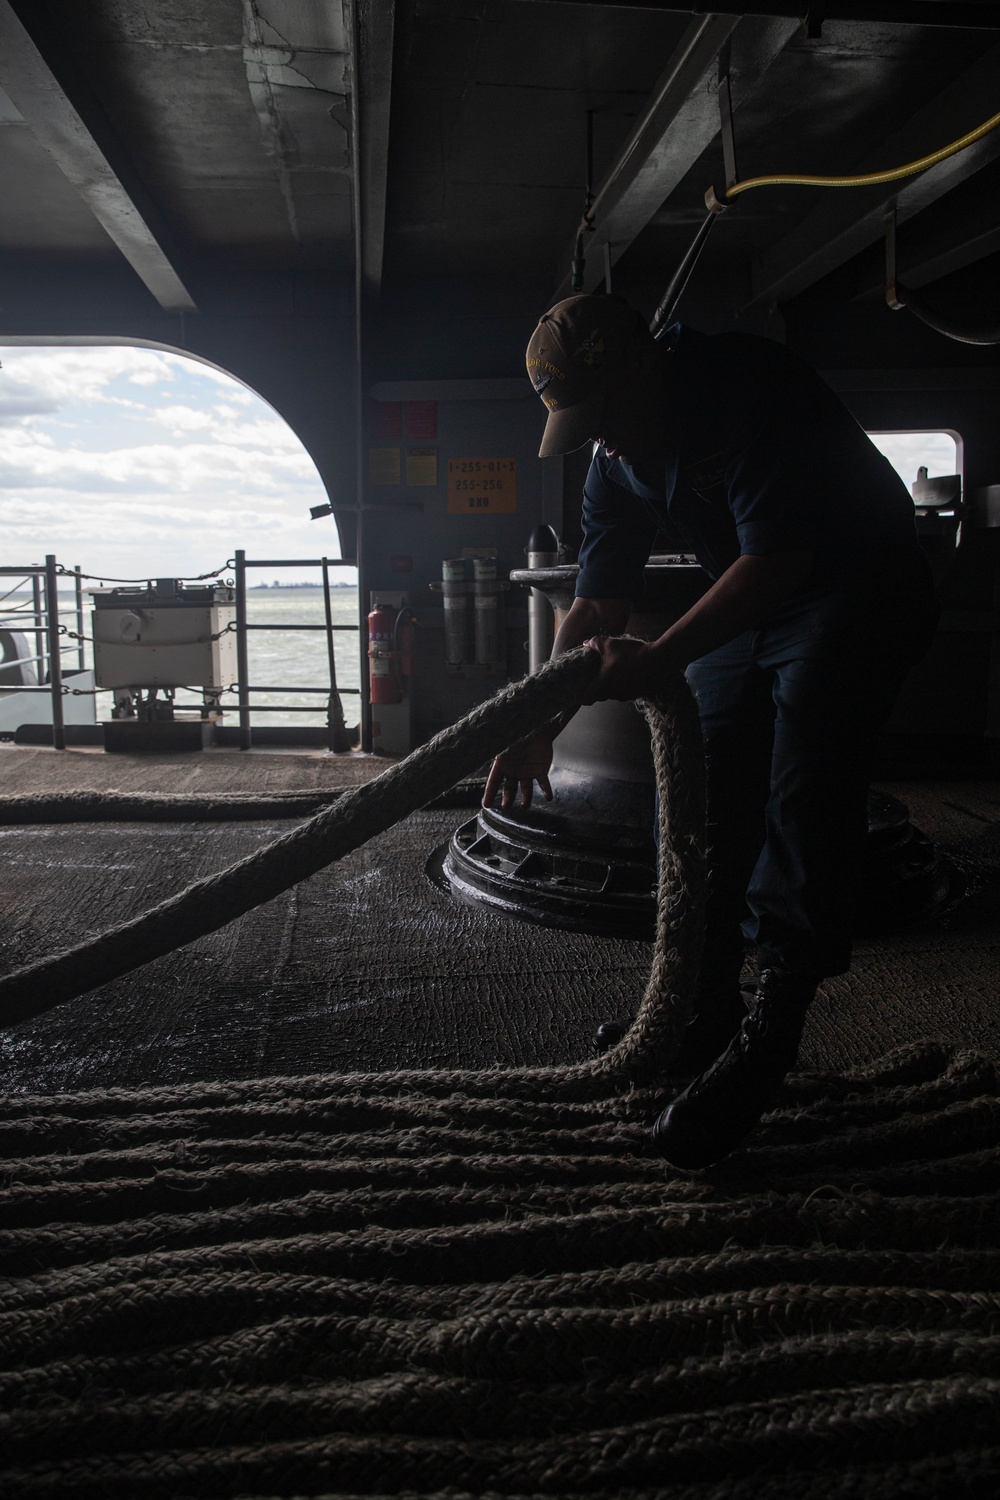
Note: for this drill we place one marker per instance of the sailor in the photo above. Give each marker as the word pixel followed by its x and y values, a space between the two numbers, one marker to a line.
pixel 820 602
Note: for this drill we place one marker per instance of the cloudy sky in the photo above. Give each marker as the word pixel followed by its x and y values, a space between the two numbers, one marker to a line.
pixel 134 462
pixel 907 451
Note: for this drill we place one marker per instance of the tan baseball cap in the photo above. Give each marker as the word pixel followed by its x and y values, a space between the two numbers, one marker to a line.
pixel 577 348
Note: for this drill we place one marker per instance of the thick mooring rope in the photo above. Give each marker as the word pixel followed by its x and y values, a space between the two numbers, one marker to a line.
pixel 352 820
pixel 488 1286
pixel 27 808
pixel 20 808
pixel 359 1287
pixel 358 815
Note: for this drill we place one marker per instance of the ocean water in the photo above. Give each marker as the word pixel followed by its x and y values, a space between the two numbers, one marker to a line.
pixel 299 657
pixel 284 659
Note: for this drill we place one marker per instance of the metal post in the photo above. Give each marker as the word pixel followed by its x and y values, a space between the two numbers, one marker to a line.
pixel 364 605
pixel 81 663
pixel 336 727
pixel 55 665
pixel 242 655
pixel 360 494
pixel 36 605
pixel 543 552
pixel 726 115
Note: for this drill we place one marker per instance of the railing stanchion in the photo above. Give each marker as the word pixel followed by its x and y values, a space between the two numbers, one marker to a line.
pixel 81 663
pixel 364 604
pixel 242 654
pixel 36 606
pixel 336 726
pixel 55 664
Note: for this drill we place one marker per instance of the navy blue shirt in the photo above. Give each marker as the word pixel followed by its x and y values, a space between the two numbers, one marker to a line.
pixel 761 457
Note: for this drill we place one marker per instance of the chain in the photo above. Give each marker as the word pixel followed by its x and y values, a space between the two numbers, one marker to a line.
pixel 201 640
pixel 186 578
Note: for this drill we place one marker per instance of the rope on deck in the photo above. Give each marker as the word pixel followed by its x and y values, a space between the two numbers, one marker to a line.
pixel 449 1285
pixel 377 1285
pixel 428 772
pixel 30 808
pixel 27 808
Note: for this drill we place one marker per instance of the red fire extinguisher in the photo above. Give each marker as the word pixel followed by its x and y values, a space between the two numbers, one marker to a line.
pixel 383 659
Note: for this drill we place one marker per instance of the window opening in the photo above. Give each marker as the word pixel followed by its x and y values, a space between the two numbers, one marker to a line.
pixel 143 463
pixel 938 451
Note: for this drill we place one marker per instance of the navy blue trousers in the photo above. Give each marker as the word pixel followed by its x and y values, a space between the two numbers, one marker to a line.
pixel 790 715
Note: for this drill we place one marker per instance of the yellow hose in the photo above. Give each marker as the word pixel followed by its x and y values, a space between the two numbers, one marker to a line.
pixel 869 178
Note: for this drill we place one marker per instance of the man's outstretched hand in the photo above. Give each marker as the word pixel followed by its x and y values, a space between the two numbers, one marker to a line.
pixel 520 767
pixel 629 669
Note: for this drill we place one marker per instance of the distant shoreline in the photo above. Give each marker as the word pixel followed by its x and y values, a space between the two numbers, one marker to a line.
pixel 253 588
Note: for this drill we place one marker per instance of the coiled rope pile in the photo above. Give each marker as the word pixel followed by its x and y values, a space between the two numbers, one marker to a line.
pixel 464 1285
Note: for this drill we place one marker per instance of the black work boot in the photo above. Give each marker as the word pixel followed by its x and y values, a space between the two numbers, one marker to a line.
pixel 709 1031
pixel 721 1106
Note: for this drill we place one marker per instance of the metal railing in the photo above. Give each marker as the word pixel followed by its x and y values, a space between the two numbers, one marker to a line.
pixel 337 735
pixel 47 631
pixel 41 620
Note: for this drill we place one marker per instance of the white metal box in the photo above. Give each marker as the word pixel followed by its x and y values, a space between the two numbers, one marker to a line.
pixel 164 635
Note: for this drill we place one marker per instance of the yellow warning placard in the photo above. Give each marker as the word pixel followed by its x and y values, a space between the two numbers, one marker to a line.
pixel 422 466
pixel 384 466
pixel 482 486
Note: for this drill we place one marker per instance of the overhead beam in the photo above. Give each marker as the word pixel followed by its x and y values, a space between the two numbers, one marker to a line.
pixel 947 239
pixel 848 220
pixel 297 59
pixel 680 121
pixel 932 267
pixel 961 15
pixel 58 127
pixel 373 72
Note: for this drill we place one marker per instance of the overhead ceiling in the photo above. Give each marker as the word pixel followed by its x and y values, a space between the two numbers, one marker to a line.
pixel 449 138
pixel 225 124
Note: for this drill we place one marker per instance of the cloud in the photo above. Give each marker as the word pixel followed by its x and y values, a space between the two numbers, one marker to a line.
pixel 134 460
pixel 80 374
pixel 214 448
pixel 130 537
pixel 184 418
pixel 135 516
pixel 264 432
pixel 906 451
pixel 15 407
pixel 151 469
pixel 149 377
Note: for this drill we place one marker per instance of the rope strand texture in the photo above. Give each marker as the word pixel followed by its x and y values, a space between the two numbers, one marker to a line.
pixel 209 904
pixel 22 808
pixel 327 1286
pixel 487 1286
pixel 428 772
